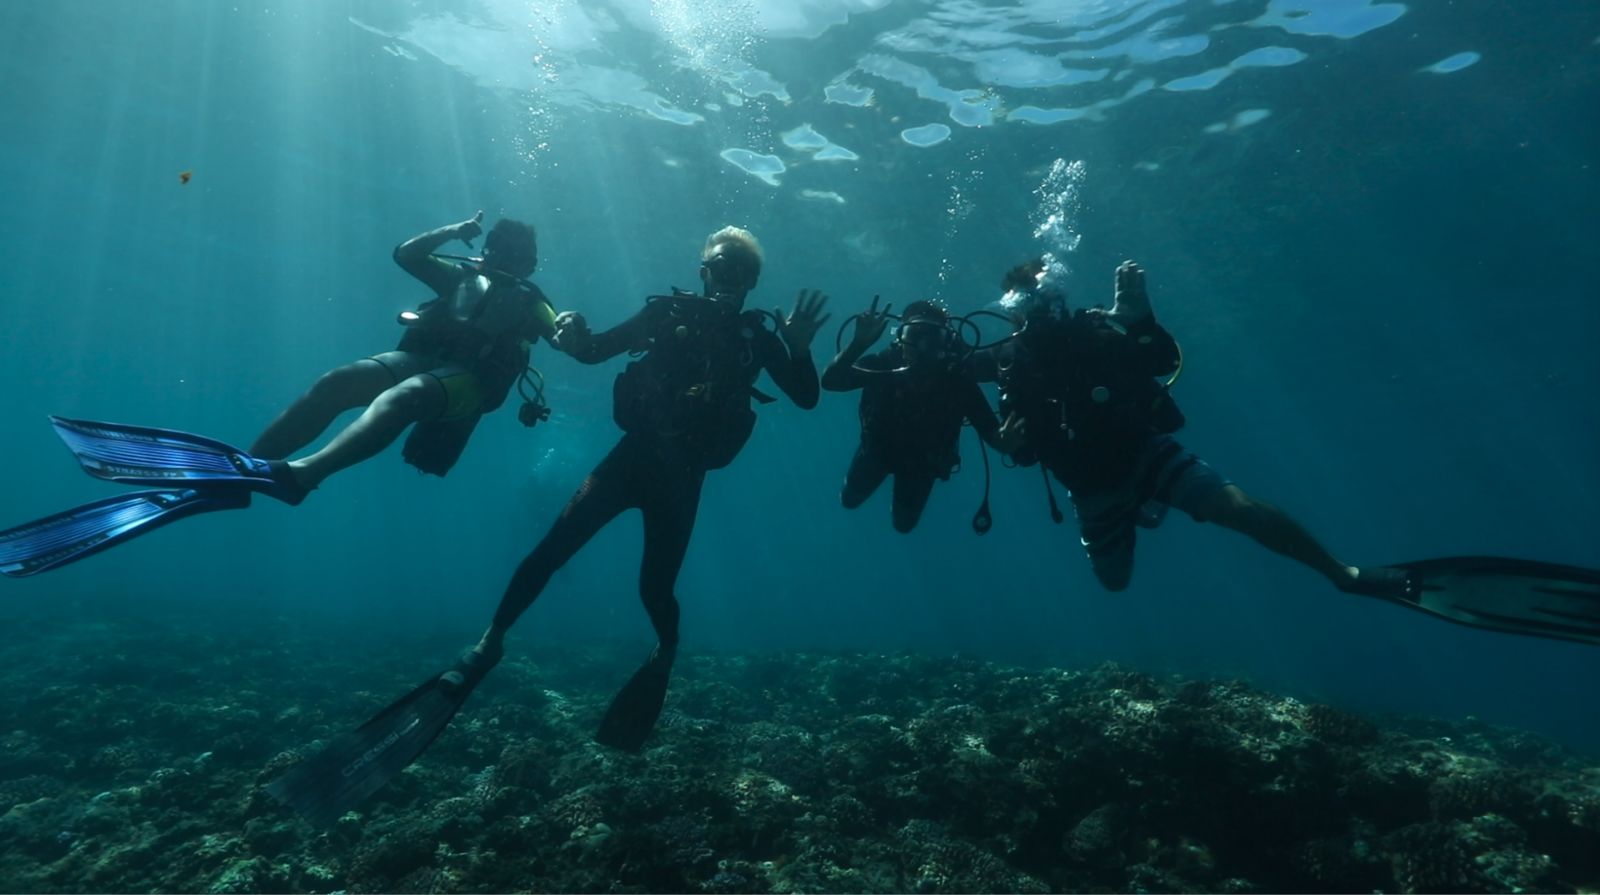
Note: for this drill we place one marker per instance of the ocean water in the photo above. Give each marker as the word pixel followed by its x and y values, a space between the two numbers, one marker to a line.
pixel 1371 225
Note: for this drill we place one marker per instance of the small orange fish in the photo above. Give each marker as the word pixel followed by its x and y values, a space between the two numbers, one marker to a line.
pixel 183 176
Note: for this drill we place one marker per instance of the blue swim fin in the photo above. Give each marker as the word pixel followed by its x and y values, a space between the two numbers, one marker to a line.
pixel 67 537
pixel 144 455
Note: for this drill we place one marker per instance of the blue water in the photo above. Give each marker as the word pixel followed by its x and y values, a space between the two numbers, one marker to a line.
pixel 1372 227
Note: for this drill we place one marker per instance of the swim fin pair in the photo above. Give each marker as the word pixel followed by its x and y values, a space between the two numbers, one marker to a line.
pixel 357 764
pixel 198 474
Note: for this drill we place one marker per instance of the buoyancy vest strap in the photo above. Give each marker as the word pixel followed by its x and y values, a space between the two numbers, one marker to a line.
pixel 1050 492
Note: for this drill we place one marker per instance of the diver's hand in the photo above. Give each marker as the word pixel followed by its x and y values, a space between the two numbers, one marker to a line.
pixel 571 331
pixel 1132 303
pixel 469 229
pixel 870 325
pixel 801 324
pixel 1011 434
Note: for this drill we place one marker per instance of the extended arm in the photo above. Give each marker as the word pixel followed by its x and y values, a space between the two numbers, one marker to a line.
pixel 975 406
pixel 414 255
pixel 573 336
pixel 789 363
pixel 1156 349
pixel 795 374
pixel 542 319
pixel 1131 312
pixel 842 374
pixel 984 364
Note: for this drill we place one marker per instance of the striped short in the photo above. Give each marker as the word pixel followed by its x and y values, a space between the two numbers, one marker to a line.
pixel 1166 475
pixel 463 391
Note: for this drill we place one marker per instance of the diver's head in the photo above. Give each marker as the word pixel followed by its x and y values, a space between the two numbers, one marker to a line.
pixel 1032 291
pixel 924 332
pixel 511 248
pixel 730 263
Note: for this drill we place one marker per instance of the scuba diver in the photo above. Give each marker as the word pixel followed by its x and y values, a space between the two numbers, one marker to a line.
pixel 460 356
pixel 684 409
pixel 914 397
pixel 1096 416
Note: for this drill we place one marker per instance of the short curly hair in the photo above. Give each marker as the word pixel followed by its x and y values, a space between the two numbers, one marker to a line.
pixel 926 309
pixel 743 246
pixel 1024 277
pixel 515 245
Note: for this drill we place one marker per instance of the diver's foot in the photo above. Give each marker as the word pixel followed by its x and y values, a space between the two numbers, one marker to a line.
pixel 662 657
pixel 287 486
pixel 1380 581
pixel 473 665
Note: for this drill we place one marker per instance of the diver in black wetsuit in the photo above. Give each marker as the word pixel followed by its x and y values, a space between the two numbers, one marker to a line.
pixel 684 408
pixel 1096 418
pixel 914 397
pixel 460 355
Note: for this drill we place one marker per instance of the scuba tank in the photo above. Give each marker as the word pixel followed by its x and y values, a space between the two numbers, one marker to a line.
pixel 434 446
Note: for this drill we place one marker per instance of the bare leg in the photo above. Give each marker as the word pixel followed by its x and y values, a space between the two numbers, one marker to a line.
pixel 341 389
pixel 421 397
pixel 1275 530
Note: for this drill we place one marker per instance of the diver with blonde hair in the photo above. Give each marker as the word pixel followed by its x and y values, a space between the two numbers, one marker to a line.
pixel 684 409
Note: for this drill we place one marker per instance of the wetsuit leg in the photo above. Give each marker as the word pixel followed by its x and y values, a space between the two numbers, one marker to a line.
pixel 602 496
pixel 867 471
pixel 911 492
pixel 669 515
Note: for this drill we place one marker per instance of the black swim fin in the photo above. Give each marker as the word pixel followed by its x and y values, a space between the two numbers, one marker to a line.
pixel 636 707
pixel 1517 596
pixel 357 764
pixel 71 535
pixel 141 454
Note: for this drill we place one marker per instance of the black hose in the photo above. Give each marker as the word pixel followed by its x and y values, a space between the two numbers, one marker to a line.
pixel 1050 492
pixel 983 520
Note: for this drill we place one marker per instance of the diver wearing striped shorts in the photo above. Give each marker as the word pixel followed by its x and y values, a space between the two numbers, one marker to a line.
pixel 1091 390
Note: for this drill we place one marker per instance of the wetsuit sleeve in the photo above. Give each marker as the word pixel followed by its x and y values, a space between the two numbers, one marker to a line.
pixel 1154 347
pixel 541 318
pixel 975 407
pixel 632 334
pixel 849 370
pixel 415 257
pixel 796 376
pixel 984 364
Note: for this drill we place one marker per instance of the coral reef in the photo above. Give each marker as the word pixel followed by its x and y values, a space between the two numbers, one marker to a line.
pixel 136 765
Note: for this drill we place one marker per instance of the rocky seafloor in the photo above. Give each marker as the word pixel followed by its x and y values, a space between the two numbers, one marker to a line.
pixel 132 759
